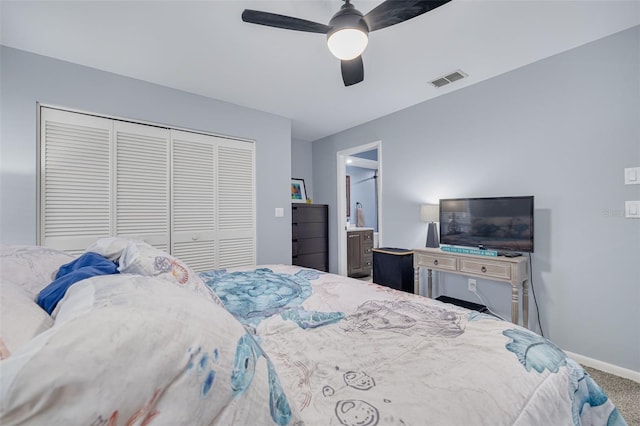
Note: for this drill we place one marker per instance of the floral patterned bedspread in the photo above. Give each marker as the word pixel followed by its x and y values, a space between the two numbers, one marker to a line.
pixel 354 353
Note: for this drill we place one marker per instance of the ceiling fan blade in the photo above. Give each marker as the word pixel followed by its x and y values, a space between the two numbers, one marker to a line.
pixel 284 22
pixel 393 12
pixel 352 71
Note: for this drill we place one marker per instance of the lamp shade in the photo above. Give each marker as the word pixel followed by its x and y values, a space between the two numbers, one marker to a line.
pixel 348 43
pixel 429 213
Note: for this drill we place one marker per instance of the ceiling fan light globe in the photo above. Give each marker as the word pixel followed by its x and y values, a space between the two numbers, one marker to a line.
pixel 347 43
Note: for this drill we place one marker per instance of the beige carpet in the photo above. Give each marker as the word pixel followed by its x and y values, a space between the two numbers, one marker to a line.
pixel 624 393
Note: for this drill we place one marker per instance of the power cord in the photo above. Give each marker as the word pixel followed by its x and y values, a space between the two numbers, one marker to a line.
pixel 488 309
pixel 533 291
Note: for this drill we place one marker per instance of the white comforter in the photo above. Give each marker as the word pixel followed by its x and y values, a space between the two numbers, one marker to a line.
pixel 355 353
pixel 151 347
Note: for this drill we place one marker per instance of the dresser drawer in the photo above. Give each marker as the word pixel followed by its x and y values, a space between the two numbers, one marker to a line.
pixel 309 230
pixel 315 261
pixel 309 245
pixel 434 261
pixel 300 214
pixel 488 269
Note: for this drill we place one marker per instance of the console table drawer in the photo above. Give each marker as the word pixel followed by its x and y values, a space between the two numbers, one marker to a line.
pixel 428 261
pixel 491 270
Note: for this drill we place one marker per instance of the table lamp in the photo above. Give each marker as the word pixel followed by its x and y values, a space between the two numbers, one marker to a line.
pixel 429 213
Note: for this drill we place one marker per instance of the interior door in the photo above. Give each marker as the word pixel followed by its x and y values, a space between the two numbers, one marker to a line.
pixel 193 199
pixel 75 180
pixel 142 183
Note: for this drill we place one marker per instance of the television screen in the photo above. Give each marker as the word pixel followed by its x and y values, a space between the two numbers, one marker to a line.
pixel 499 223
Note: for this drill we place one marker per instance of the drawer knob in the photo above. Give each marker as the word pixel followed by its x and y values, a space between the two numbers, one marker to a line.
pixel 194 238
pixel 435 262
pixel 483 269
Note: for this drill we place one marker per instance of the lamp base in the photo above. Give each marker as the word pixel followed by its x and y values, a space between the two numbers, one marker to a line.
pixel 432 236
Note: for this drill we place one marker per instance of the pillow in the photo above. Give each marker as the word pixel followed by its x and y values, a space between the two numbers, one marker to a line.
pixel 21 318
pixel 30 267
pixel 110 247
pixel 140 258
pixel 129 348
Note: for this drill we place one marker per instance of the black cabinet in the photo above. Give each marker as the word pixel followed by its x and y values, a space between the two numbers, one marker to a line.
pixel 393 268
pixel 359 247
pixel 310 236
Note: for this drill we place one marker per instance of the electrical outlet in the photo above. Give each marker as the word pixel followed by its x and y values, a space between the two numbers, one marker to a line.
pixel 472 285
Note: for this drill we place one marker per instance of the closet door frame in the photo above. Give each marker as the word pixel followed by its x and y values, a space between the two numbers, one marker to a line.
pixel 222 140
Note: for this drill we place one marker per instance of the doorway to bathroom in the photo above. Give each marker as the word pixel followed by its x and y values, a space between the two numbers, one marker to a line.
pixel 359 177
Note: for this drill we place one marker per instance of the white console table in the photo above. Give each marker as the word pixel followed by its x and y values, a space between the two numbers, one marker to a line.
pixel 512 270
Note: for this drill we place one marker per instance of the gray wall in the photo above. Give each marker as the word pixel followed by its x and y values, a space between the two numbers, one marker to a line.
pixel 28 78
pixel 562 129
pixel 302 164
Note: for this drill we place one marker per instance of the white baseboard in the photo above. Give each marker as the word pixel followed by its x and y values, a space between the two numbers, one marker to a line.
pixel 605 366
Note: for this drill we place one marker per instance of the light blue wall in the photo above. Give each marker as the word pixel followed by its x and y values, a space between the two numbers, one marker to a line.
pixel 562 129
pixel 28 78
pixel 302 164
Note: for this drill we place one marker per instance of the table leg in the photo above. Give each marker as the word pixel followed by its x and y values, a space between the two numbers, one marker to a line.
pixel 430 283
pixel 514 303
pixel 416 280
pixel 525 303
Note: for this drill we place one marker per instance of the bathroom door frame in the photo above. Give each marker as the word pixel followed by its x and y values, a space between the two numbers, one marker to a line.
pixel 341 210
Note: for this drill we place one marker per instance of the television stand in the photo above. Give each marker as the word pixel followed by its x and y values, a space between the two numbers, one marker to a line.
pixel 512 270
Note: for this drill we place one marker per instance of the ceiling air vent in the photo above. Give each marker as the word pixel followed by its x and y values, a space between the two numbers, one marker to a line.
pixel 450 78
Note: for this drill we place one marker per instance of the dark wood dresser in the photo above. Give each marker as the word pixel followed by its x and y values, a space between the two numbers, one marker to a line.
pixel 310 236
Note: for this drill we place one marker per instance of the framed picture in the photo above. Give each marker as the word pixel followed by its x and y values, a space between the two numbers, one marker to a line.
pixel 298 191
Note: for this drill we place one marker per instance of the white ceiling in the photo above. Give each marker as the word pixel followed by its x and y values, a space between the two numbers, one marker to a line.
pixel 203 47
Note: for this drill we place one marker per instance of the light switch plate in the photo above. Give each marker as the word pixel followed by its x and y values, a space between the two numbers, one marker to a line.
pixel 279 212
pixel 632 176
pixel 632 209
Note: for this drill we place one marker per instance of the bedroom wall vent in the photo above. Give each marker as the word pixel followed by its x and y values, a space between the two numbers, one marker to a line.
pixel 449 78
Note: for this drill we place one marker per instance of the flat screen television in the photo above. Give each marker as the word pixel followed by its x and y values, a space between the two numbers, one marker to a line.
pixel 498 223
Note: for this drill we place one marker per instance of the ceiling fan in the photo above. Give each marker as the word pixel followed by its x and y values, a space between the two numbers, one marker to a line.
pixel 347 32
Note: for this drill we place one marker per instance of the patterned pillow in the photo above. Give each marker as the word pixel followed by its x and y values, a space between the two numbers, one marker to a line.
pixel 140 258
pixel 31 267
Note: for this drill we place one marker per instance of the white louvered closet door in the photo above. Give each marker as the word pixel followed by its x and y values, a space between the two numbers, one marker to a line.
pixel 190 194
pixel 193 199
pixel 236 204
pixel 142 183
pixel 75 179
pixel 213 201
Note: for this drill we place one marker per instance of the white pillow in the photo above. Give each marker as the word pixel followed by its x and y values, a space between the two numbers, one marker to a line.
pixel 21 319
pixel 110 247
pixel 30 267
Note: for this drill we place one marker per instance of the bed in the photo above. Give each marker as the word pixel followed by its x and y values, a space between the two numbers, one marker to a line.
pixel 156 343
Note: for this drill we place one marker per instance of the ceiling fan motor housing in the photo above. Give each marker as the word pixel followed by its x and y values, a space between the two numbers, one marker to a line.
pixel 347 17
